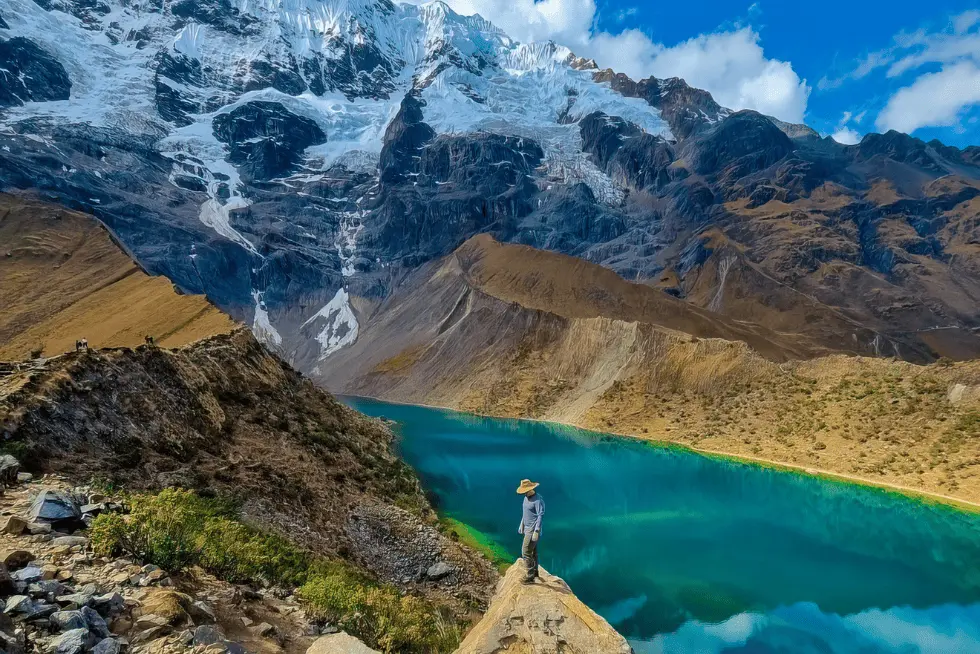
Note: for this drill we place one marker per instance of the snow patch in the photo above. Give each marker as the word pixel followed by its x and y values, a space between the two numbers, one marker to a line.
pixel 187 41
pixel 261 325
pixel 341 325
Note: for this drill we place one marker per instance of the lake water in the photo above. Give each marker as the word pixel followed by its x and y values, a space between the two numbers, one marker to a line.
pixel 683 553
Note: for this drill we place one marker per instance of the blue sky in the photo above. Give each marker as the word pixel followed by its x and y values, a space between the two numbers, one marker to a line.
pixel 845 67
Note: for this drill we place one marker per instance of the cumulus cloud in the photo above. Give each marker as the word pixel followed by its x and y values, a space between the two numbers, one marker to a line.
pixel 934 99
pixel 731 64
pixel 846 136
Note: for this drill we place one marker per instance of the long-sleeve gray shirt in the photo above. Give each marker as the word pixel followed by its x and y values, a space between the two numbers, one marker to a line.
pixel 533 511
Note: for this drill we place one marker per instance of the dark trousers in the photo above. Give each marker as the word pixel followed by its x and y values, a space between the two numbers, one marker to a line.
pixel 530 553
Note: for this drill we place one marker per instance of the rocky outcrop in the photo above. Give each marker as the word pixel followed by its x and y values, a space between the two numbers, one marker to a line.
pixel 30 74
pixel 265 138
pixel 540 618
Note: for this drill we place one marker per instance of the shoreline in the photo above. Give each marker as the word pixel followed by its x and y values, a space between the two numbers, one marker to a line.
pixel 907 492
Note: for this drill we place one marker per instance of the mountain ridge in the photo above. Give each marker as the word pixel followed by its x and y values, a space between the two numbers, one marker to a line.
pixel 294 162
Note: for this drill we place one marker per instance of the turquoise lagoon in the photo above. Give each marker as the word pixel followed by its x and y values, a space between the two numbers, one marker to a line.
pixel 685 553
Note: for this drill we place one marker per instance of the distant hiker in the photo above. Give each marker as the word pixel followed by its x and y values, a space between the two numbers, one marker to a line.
pixel 81 344
pixel 530 527
pixel 149 340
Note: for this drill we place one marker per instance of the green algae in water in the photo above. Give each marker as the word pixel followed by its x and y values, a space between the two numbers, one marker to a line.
pixel 687 553
pixel 478 541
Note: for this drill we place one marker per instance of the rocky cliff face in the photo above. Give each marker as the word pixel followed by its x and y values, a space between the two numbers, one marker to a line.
pixel 295 161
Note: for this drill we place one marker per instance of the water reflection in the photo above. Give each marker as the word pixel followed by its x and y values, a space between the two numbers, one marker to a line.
pixel 804 629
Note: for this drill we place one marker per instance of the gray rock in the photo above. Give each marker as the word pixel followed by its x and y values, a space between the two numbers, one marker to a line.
pixel 38 528
pixel 263 629
pixel 7 585
pixel 18 604
pixel 28 575
pixel 92 508
pixel 70 541
pixel 207 634
pixel 76 600
pixel 47 589
pixel 13 642
pixel 71 642
pixel 68 620
pixel 107 646
pixel 24 477
pixel 109 604
pixel 95 622
pixel 234 648
pixel 9 470
pixel 202 612
pixel 52 506
pixel 439 570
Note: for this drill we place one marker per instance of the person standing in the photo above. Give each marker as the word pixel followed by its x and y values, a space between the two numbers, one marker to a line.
pixel 530 527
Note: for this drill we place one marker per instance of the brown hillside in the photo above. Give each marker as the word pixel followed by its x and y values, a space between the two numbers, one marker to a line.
pixel 224 416
pixel 596 351
pixel 62 277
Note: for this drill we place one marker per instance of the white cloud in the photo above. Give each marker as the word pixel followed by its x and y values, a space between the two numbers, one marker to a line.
pixel 731 65
pixel 934 99
pixel 966 20
pixel 846 136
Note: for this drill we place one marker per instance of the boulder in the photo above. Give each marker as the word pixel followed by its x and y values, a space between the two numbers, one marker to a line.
pixel 439 571
pixel 7 585
pixel 38 528
pixel 208 634
pixel 14 559
pixel 71 642
pixel 339 643
pixel 9 470
pixel 14 525
pixel 75 600
pixel 263 629
pixel 202 612
pixel 70 541
pixel 169 605
pixel 107 646
pixel 68 620
pixel 18 604
pixel 95 622
pixel 46 589
pixel 24 477
pixel 28 575
pixel 109 604
pixel 54 506
pixel 541 617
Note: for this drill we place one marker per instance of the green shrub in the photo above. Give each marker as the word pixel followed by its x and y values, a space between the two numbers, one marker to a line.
pixel 175 529
pixel 380 616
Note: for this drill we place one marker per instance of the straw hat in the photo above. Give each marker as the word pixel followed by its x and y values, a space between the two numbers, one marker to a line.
pixel 527 485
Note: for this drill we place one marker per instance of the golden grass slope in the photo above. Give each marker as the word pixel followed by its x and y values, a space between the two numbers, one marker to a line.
pixel 463 337
pixel 62 278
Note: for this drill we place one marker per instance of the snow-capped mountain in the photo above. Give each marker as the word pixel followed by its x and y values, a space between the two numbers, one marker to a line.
pixel 294 158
